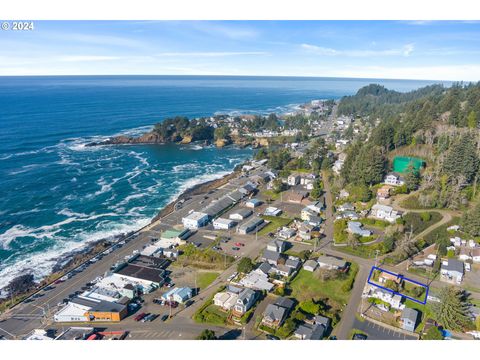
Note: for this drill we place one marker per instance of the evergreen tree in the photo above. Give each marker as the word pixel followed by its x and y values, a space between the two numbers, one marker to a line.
pixel 462 159
pixel 433 334
pixel 472 120
pixel 207 334
pixel 317 190
pixel 471 221
pixel 412 178
pixel 245 265
pixel 452 310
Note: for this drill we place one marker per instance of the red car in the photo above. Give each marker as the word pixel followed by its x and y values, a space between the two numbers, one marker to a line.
pixel 140 316
pixel 239 244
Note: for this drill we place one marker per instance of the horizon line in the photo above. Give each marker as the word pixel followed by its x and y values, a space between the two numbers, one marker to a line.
pixel 239 76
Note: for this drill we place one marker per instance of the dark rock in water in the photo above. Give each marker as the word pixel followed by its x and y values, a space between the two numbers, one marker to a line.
pixel 147 138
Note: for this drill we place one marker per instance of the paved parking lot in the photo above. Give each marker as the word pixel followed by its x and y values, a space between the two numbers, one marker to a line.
pixel 377 332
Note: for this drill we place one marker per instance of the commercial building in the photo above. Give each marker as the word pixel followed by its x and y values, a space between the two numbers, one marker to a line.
pixel 179 295
pixel 147 279
pixel 251 225
pixel 223 224
pixel 240 214
pixel 253 203
pixel 195 220
pixel 81 309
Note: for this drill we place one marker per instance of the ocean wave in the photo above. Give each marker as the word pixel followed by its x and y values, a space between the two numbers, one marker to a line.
pixel 27 168
pixel 46 149
pixel 46 231
pixel 20 231
pixel 185 167
pixel 42 263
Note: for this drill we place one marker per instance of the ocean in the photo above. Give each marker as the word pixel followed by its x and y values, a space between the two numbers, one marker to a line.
pixel 56 195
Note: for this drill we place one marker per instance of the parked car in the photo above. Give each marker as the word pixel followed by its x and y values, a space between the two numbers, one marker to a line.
pixel 235 248
pixel 140 316
pixel 239 244
pixel 164 317
pixel 272 337
pixel 146 318
pixel 359 337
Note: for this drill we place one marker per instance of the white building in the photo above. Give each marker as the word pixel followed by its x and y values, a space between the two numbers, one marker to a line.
pixel 223 224
pixel 195 220
pixel 384 212
pixel 293 180
pixel 394 180
pixel 395 301
pixel 225 300
pixel 452 271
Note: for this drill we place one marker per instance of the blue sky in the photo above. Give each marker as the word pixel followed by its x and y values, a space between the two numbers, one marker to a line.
pixel 374 49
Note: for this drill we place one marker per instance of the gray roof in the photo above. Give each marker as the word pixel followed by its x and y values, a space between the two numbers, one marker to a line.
pixel 245 295
pixel 410 314
pixel 454 265
pixel 311 263
pixel 292 263
pixel 271 255
pixel 144 273
pixel 322 320
pixel 311 332
pixel 330 260
pixel 265 267
pixel 276 243
pixel 99 306
pixel 285 302
pixel 243 212
pixel 275 312
pixel 251 224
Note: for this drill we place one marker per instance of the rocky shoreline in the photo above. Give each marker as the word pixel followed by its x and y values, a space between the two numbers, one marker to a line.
pixel 153 138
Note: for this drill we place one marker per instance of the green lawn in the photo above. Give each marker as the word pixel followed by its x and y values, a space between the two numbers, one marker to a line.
pixel 275 223
pixel 210 314
pixel 270 194
pixel 364 251
pixel 307 285
pixel 206 278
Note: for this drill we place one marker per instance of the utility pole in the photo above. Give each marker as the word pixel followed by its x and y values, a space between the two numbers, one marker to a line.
pixel 196 289
pixel 376 257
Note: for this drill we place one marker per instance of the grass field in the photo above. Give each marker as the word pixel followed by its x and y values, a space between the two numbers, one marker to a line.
pixel 307 285
pixel 211 314
pixel 206 278
pixel 270 194
pixel 275 223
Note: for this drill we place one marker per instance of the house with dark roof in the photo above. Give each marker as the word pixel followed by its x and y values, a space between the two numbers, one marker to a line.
pixel 246 299
pixel 272 257
pixel 452 271
pixel 310 332
pixel 276 245
pixel 276 313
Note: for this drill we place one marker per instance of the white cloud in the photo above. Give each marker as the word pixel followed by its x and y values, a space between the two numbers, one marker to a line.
pixel 406 50
pixel 81 58
pixel 212 54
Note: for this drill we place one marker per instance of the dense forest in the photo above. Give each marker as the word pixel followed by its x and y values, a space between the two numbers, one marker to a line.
pixel 177 128
pixel 435 123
